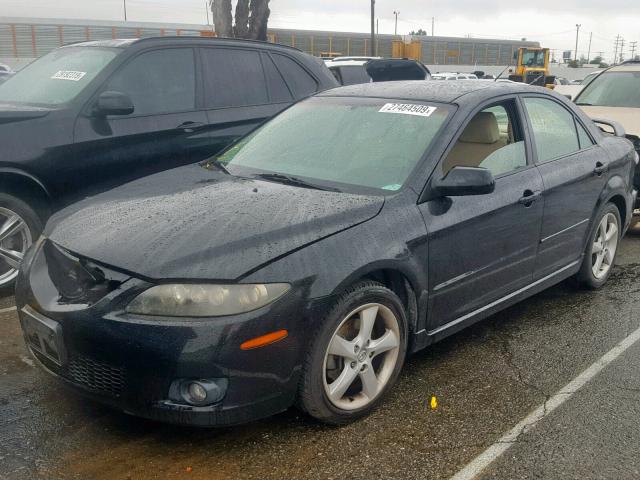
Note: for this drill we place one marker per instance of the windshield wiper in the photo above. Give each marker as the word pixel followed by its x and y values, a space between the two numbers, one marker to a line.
pixel 294 181
pixel 585 104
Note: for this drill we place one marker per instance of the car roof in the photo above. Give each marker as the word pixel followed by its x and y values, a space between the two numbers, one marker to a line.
pixel 356 58
pixel 426 90
pixel 346 63
pixel 626 67
pixel 168 39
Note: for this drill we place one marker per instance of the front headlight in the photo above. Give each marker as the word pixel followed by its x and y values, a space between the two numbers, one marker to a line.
pixel 189 300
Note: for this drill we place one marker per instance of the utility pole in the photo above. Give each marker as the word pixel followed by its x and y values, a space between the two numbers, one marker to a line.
pixel 206 7
pixel 433 26
pixel 577 35
pixel 372 49
pixel 615 55
pixel 633 49
pixel 395 32
pixel 621 50
pixel 589 52
pixel 125 9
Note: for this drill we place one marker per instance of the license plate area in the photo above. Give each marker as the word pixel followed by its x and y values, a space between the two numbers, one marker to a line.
pixel 44 336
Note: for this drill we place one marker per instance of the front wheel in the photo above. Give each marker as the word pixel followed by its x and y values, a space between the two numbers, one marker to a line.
pixel 356 355
pixel 19 228
pixel 601 249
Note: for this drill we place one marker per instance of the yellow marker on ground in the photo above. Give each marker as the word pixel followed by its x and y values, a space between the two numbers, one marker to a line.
pixel 434 402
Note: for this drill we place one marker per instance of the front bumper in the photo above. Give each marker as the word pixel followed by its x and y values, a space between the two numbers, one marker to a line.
pixel 130 362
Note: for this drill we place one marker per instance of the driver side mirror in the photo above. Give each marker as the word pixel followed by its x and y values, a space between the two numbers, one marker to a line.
pixel 463 181
pixel 113 103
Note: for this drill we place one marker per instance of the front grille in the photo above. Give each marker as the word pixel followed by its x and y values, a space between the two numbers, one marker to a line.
pixel 96 376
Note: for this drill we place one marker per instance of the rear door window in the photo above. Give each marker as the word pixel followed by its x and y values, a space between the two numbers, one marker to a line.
pixel 583 136
pixel 160 81
pixel 554 128
pixel 233 78
pixel 299 80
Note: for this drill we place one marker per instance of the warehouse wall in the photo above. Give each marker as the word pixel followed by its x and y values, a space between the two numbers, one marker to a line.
pixel 25 38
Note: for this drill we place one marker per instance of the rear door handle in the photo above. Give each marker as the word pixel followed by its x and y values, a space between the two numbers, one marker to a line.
pixel 529 197
pixel 600 169
pixel 189 127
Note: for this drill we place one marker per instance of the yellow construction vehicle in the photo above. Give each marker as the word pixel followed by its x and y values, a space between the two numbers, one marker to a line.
pixel 532 67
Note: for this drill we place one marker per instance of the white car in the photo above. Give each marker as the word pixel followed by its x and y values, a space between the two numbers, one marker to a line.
pixel 453 76
pixel 5 72
pixel 571 91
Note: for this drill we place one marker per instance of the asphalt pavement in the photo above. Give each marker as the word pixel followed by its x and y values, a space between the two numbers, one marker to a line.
pixel 487 379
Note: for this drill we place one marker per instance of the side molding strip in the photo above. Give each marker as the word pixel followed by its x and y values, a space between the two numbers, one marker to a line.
pixel 563 231
pixel 501 300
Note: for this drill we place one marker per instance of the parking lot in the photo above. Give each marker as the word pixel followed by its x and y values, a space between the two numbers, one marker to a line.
pixel 487 379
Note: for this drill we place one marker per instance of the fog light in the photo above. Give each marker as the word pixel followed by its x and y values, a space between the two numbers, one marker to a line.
pixel 200 392
pixel 197 393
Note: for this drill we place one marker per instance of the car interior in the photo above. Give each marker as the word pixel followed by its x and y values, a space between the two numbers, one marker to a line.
pixel 489 141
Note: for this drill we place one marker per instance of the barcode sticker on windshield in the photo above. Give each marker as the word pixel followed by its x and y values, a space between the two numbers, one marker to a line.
pixel 68 75
pixel 408 109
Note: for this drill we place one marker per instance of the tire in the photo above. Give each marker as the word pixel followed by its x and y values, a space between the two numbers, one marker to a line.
pixel 323 370
pixel 587 276
pixel 26 230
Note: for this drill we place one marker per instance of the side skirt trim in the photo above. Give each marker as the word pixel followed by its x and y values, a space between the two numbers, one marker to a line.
pixel 504 299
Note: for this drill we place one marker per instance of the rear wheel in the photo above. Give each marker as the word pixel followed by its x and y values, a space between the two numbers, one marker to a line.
pixel 19 228
pixel 601 249
pixel 356 356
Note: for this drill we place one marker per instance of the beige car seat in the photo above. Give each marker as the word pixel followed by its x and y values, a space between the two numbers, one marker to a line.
pixel 479 140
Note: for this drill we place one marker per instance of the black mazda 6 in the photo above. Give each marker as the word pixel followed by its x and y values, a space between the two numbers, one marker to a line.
pixel 304 263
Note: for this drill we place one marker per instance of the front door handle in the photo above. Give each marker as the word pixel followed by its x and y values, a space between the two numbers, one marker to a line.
pixel 189 127
pixel 600 169
pixel 529 197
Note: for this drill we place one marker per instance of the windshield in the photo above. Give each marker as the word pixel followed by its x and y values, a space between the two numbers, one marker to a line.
pixel 361 142
pixel 58 77
pixel 533 58
pixel 589 78
pixel 613 89
pixel 353 75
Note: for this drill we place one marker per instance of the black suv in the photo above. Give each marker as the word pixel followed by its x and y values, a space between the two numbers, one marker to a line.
pixel 90 116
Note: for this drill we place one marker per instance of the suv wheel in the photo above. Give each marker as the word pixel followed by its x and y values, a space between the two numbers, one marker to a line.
pixel 356 356
pixel 19 227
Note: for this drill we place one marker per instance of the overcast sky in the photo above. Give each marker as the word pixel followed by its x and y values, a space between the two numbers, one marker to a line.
pixel 552 22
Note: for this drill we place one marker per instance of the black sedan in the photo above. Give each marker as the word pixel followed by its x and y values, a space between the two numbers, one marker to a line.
pixel 305 262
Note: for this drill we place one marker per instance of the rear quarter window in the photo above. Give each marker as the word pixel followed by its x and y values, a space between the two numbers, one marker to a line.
pixel 299 80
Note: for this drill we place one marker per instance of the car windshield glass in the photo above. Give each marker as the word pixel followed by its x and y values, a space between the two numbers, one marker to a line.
pixel 353 75
pixel 588 79
pixel 58 77
pixel 613 89
pixel 361 142
pixel 533 58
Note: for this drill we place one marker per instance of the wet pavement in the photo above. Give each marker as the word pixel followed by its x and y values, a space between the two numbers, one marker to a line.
pixel 487 379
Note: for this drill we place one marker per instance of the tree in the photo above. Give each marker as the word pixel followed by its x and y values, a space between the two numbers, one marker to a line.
pixel 251 18
pixel 419 32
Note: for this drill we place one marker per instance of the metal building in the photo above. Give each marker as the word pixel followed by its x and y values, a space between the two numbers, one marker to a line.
pixel 22 39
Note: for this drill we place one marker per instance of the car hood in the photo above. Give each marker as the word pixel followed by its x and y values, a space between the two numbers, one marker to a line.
pixel 10 112
pixel 193 223
pixel 629 118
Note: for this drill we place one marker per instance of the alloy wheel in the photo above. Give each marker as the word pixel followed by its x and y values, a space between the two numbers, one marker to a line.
pixel 605 245
pixel 15 240
pixel 361 356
